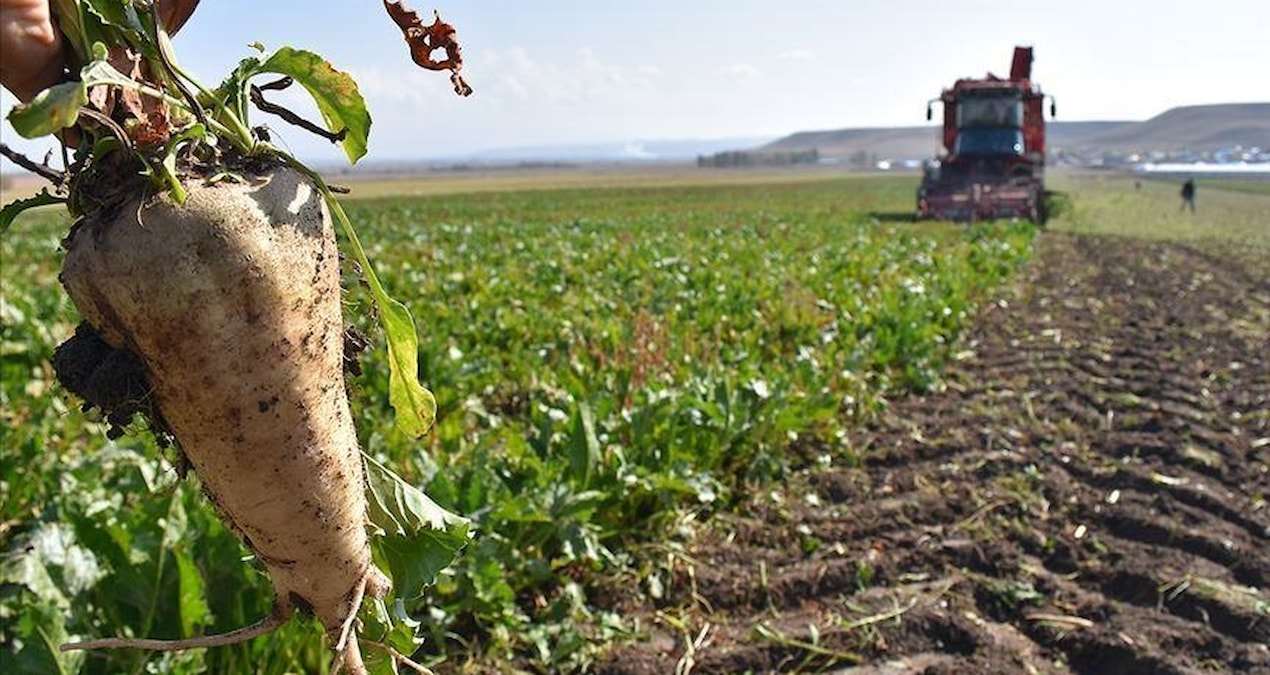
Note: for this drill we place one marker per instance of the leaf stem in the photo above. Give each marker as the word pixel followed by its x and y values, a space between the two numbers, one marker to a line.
pixel 169 65
pixel 398 657
pixel 258 97
pixel 57 178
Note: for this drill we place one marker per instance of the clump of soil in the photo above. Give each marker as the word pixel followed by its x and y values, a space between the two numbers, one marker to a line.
pixel 1088 495
pixel 355 342
pixel 112 381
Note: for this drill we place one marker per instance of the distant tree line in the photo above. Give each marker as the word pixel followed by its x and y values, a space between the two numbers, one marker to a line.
pixel 743 158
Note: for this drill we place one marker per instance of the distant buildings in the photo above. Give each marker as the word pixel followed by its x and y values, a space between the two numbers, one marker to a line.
pixel 1232 160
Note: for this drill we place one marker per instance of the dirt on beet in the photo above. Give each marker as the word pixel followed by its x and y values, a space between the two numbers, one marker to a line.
pixel 1089 495
pixel 114 382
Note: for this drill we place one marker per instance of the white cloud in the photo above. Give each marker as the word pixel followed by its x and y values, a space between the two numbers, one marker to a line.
pixel 521 98
pixel 797 55
pixel 419 89
pixel 743 71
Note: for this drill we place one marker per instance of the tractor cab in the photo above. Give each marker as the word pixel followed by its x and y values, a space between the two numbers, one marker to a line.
pixel 989 124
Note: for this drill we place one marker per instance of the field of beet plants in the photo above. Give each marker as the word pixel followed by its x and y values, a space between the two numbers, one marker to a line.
pixel 613 366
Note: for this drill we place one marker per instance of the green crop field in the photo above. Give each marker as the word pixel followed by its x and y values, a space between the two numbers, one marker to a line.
pixel 1227 210
pixel 613 366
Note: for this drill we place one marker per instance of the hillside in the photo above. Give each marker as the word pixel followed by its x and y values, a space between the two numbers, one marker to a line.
pixel 895 142
pixel 1200 129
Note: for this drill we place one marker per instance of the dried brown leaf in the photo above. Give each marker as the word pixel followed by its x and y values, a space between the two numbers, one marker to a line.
pixel 424 41
pixel 146 118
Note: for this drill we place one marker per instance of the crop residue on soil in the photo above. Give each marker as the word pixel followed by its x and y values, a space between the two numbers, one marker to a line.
pixel 1088 495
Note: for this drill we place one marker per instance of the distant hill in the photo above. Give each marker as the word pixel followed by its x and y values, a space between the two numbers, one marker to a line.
pixel 1200 129
pixel 880 143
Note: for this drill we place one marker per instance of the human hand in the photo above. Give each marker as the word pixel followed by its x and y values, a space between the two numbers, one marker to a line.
pixel 34 56
pixel 32 48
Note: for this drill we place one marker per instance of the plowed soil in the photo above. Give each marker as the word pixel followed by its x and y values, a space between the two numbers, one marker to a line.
pixel 1088 495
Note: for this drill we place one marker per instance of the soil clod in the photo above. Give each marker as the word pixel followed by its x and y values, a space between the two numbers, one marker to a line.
pixel 112 381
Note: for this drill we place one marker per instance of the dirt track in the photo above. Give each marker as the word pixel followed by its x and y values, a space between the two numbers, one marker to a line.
pixel 1089 495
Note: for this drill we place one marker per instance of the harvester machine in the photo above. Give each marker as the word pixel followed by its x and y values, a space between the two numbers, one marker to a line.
pixel 992 160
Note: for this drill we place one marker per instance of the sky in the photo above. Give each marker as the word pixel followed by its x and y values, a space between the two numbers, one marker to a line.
pixel 567 72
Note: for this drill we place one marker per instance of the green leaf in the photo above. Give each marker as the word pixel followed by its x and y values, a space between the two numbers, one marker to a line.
pixel 115 23
pixel 29 571
pixel 414 562
pixel 584 445
pixel 400 508
pixel 17 206
pixel 50 111
pixel 88 24
pixel 419 538
pixel 393 627
pixel 335 93
pixel 71 23
pixel 100 72
pixel 195 612
pixel 415 406
pixel 167 168
pixel 175 522
pixel 120 15
pixel 40 629
pixel 230 98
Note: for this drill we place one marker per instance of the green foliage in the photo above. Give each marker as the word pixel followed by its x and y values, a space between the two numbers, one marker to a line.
pixel 417 538
pixel 612 365
pixel 1057 204
pixel 50 111
pixel 415 406
pixel 12 209
pixel 335 93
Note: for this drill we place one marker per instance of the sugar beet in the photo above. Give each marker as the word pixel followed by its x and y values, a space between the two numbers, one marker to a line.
pixel 232 303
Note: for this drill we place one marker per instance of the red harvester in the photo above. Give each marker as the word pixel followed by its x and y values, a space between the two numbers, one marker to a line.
pixel 992 164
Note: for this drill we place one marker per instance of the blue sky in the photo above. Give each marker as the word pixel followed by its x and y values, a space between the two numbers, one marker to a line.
pixel 550 72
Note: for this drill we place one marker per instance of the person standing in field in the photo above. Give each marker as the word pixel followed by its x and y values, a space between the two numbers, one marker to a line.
pixel 1188 195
